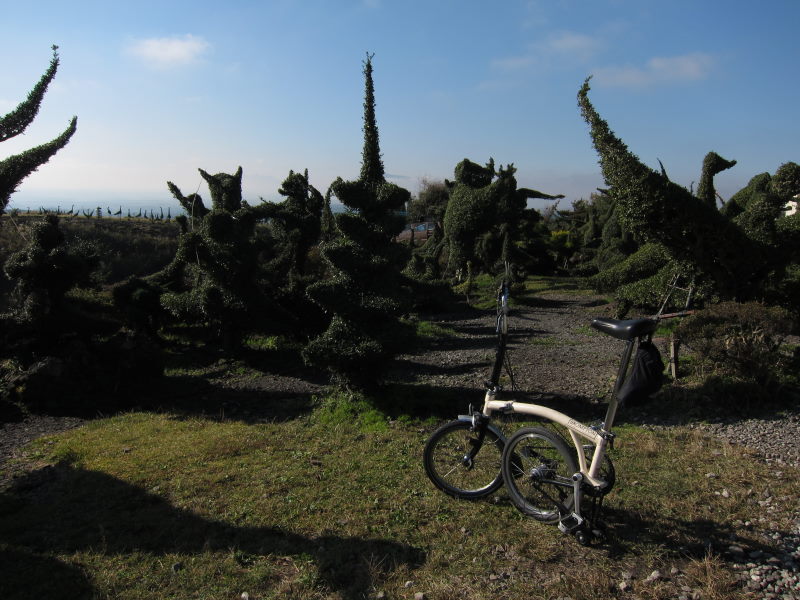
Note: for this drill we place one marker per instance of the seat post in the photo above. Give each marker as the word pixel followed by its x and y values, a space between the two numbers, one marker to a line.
pixel 623 368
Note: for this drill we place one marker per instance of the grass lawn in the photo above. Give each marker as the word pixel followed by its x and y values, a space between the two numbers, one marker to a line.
pixel 152 505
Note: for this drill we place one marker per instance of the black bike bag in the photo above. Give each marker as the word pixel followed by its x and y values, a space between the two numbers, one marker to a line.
pixel 646 376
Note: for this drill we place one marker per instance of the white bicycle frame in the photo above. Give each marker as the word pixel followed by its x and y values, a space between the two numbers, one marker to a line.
pixel 598 436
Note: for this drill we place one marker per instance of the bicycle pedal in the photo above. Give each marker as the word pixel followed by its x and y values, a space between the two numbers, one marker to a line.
pixel 570 523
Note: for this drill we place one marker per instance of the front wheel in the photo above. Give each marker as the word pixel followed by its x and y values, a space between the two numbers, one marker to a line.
pixel 538 467
pixel 464 461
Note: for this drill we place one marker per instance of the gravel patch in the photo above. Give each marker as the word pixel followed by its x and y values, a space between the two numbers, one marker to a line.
pixel 14 436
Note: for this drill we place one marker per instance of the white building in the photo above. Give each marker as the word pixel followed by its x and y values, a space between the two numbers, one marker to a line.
pixel 791 205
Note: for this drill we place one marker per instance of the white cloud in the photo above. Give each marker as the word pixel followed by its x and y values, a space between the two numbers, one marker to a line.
pixel 514 63
pixel 658 70
pixel 556 48
pixel 569 43
pixel 169 52
pixel 535 14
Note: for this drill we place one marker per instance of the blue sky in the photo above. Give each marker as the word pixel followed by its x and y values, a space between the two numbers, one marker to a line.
pixel 162 88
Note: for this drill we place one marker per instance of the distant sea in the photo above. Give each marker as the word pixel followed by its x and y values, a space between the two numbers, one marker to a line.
pixel 34 203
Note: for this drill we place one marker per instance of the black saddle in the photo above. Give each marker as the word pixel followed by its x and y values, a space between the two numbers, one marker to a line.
pixel 625 329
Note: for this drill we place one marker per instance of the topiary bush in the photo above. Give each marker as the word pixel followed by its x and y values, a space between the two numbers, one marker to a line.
pixel 364 292
pixel 17 167
pixel 739 202
pixel 658 210
pixel 740 339
pixel 218 277
pixel 43 271
pixel 486 218
pixel 649 259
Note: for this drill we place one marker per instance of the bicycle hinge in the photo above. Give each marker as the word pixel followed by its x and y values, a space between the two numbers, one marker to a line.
pixel 606 435
pixel 478 419
pixel 492 388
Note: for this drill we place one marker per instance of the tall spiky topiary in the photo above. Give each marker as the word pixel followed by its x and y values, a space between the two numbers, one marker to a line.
pixel 364 293
pixel 16 168
pixel 371 162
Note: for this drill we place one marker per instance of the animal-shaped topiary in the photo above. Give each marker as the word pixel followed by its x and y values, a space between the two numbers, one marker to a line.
pixel 743 252
pixel 215 275
pixel 484 202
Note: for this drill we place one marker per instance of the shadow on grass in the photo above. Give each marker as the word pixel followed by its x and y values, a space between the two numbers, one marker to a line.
pixel 65 509
pixel 189 397
pixel 716 400
pixel 28 574
pixel 627 531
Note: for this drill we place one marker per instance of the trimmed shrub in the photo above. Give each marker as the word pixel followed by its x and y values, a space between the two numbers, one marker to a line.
pixel 739 339
pixel 649 259
pixel 364 292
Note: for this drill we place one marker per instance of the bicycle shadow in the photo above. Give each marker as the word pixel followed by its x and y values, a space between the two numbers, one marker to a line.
pixel 625 531
pixel 64 509
pixel 717 401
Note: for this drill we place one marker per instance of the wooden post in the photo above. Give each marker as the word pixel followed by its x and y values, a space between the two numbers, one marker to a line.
pixel 674 347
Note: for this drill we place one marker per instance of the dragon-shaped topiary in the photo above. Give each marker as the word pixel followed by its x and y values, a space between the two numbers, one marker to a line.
pixel 485 210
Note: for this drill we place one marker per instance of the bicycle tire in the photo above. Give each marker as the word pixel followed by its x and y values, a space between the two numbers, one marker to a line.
pixel 538 467
pixel 459 470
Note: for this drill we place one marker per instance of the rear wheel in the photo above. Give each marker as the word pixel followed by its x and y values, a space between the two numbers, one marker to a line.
pixel 538 467
pixel 464 462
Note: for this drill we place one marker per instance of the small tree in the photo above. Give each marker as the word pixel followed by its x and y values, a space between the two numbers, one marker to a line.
pixel 43 271
pixel 430 204
pixel 16 168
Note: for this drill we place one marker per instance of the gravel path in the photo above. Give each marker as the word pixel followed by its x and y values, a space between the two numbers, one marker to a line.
pixel 16 434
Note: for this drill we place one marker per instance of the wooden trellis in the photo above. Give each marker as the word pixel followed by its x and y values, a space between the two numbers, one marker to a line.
pixel 674 341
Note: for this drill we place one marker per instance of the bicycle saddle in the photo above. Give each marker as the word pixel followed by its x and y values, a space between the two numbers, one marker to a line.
pixel 625 329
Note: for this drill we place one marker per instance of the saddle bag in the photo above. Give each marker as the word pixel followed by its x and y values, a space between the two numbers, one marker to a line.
pixel 646 376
